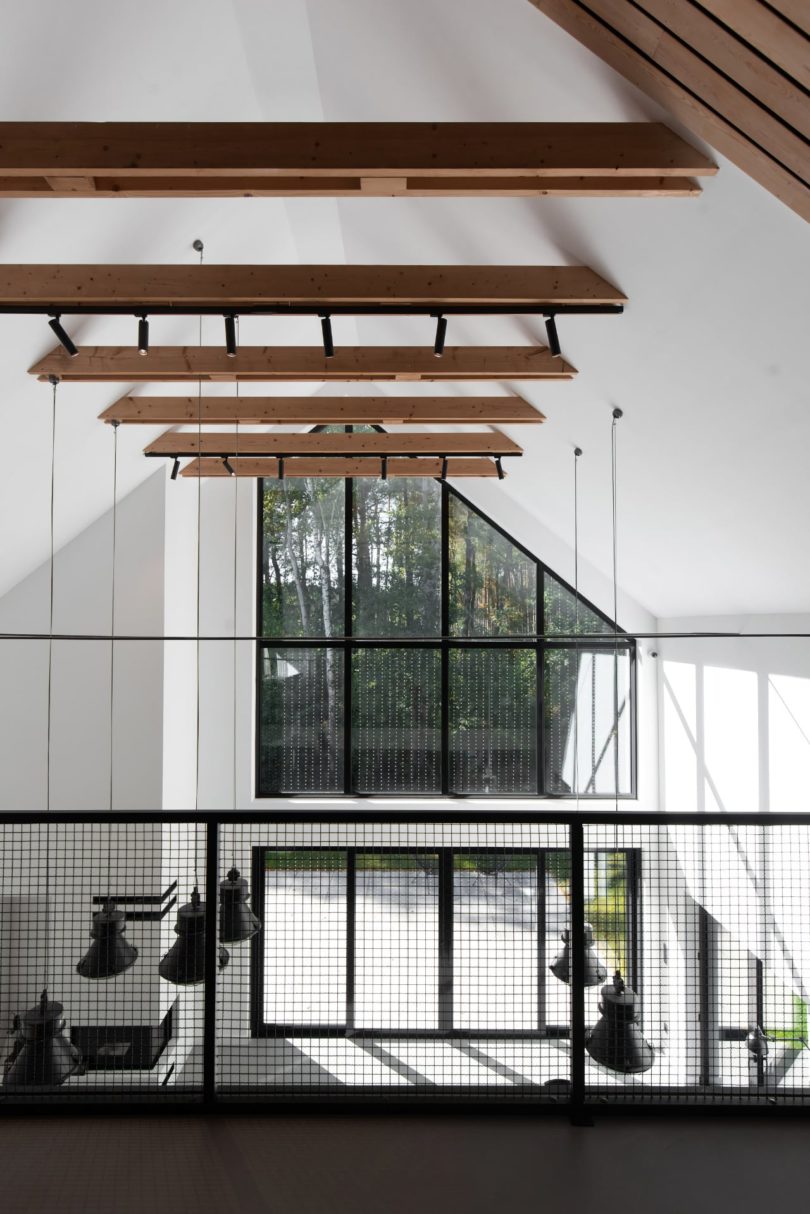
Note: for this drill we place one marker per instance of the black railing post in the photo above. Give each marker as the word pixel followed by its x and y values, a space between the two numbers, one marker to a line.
pixel 577 955
pixel 211 953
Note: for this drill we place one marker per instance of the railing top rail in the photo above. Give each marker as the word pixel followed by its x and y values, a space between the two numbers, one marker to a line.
pixel 403 815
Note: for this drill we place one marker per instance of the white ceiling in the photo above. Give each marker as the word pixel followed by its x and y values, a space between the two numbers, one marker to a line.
pixel 708 362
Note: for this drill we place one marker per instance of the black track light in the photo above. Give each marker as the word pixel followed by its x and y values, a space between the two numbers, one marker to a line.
pixel 175 468
pixel 230 336
pixel 326 330
pixel 441 333
pixel 62 336
pixel 444 468
pixel 227 465
pixel 281 467
pixel 384 467
pixel 553 337
pixel 143 335
pixel 499 466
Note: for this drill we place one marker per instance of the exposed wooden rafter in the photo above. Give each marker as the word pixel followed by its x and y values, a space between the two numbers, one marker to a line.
pixel 47 159
pixel 735 72
pixel 264 288
pixel 395 468
pixel 286 364
pixel 189 442
pixel 321 410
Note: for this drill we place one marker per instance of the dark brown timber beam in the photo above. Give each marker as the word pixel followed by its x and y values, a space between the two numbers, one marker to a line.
pixel 181 443
pixel 396 468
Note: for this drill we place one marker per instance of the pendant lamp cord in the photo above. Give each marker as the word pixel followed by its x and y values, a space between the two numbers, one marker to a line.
pixel 112 646
pixel 577 454
pixel 54 383
pixel 235 643
pixel 199 563
pixel 617 413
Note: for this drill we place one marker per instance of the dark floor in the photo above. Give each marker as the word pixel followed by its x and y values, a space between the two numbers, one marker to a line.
pixel 381 1163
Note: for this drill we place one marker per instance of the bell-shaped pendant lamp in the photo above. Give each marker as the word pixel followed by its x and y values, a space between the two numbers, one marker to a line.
pixel 42 1057
pixel 756 1043
pixel 616 1040
pixel 184 964
pixel 237 921
pixel 595 971
pixel 110 953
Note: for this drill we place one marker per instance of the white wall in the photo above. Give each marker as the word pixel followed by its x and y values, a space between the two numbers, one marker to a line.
pixel 80 716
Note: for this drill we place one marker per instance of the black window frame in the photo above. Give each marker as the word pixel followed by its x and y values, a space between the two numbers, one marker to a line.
pixel 445 970
pixel 350 643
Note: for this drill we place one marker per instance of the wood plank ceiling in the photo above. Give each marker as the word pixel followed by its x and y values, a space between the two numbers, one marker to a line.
pixel 735 72
pixel 118 159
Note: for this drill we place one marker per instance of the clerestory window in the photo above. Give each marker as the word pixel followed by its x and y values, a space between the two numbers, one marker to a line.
pixel 409 648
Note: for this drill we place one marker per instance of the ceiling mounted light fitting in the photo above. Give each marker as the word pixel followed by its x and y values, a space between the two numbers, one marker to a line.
pixel 441 333
pixel 230 335
pixel 175 468
pixel 62 336
pixel 143 335
pixel 227 465
pixel 326 333
pixel 553 336
pixel 41 1057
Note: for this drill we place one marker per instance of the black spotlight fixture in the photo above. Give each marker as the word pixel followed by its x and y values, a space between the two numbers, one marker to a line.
pixel 616 1041
pixel 384 468
pixel 441 333
pixel 499 467
pixel 41 1057
pixel 443 476
pixel 553 337
pixel 227 465
pixel 184 964
pixel 281 467
pixel 326 331
pixel 594 969
pixel 110 953
pixel 175 468
pixel 143 335
pixel 230 335
pixel 62 336
pixel 237 921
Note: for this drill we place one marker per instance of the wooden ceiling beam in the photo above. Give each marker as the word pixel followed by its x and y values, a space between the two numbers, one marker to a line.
pixel 620 36
pixel 322 410
pixel 395 150
pixel 189 442
pixel 287 364
pixel 65 288
pixel 539 186
pixel 294 468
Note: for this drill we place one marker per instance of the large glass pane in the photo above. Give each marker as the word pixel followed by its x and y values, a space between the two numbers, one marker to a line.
pixel 304 937
pixel 495 941
pixel 563 614
pixel 493 720
pixel 585 753
pixel 396 730
pixel 397 941
pixel 302 554
pixel 300 720
pixel 492 584
pixel 397 558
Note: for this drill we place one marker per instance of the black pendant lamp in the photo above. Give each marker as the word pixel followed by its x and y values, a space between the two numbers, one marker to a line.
pixel 111 953
pixel 184 964
pixel 594 968
pixel 616 1040
pixel 42 1057
pixel 237 921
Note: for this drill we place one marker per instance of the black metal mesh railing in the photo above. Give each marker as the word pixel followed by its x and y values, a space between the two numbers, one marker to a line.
pixel 522 957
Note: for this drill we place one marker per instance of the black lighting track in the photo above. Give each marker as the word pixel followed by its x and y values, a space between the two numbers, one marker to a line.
pixel 314 309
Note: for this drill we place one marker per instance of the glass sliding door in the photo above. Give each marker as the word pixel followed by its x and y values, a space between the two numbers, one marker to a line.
pixel 396 953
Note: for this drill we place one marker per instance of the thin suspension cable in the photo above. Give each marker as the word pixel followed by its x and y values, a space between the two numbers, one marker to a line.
pixel 235 643
pixel 112 643
pixel 199 564
pixel 617 413
pixel 577 454
pixel 54 384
